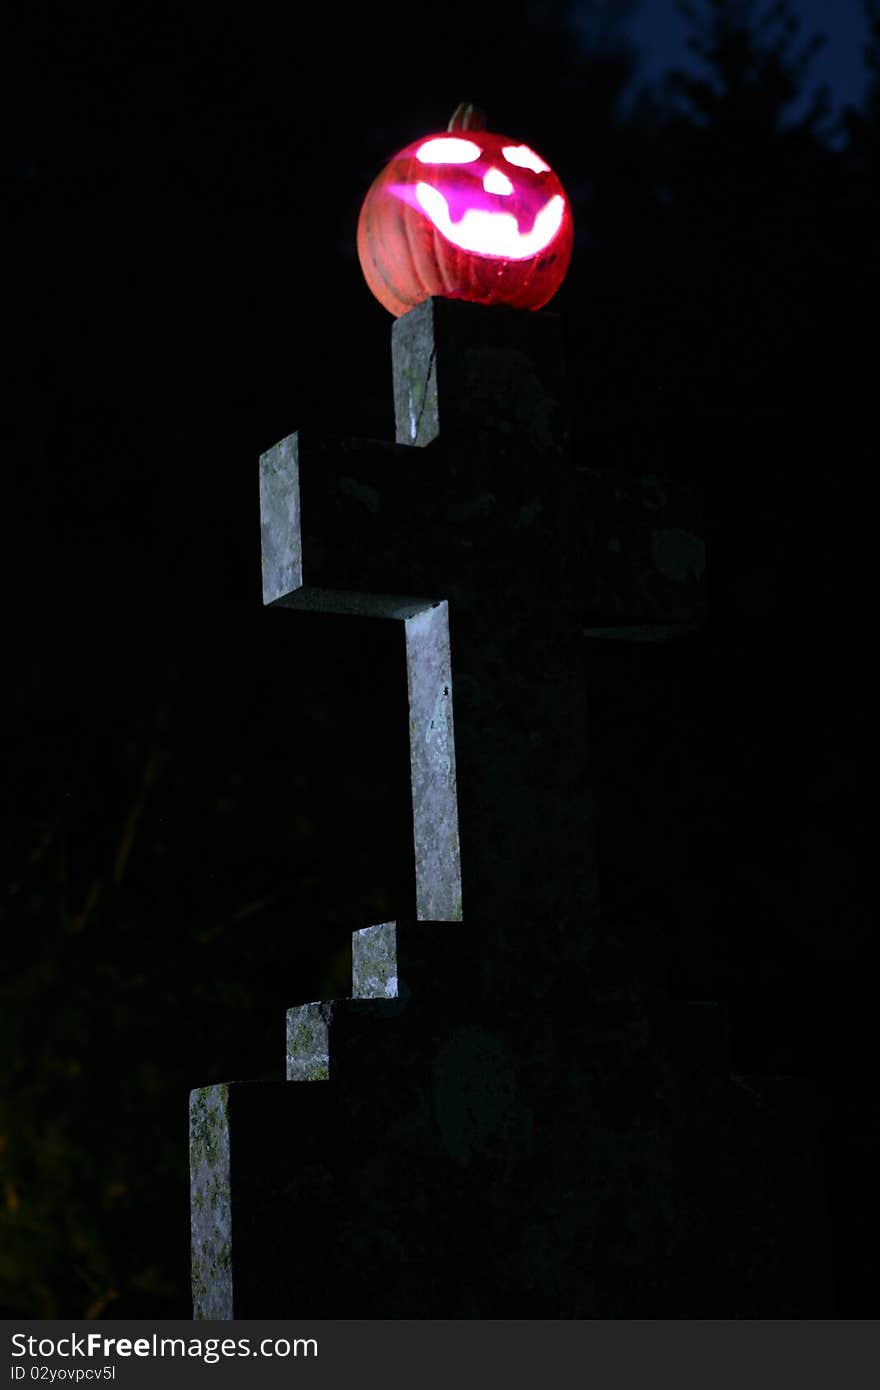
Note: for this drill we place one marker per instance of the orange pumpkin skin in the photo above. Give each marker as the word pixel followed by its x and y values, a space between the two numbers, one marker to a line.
pixel 494 227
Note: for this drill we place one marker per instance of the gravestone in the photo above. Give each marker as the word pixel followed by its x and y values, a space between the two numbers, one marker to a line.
pixel 509 1117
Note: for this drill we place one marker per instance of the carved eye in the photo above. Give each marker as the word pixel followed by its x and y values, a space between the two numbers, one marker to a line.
pixel 524 158
pixel 448 149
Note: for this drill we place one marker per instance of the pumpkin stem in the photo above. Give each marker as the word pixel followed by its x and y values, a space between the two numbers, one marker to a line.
pixel 466 116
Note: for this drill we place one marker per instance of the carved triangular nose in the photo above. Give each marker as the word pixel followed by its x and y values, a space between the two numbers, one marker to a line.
pixel 496 181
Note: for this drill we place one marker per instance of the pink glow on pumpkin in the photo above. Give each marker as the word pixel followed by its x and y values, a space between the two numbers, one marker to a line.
pixel 468 214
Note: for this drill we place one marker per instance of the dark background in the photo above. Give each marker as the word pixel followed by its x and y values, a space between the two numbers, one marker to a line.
pixel 204 799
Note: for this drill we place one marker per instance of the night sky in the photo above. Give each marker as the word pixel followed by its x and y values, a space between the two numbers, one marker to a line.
pixel 195 820
pixel 659 32
pixel 656 33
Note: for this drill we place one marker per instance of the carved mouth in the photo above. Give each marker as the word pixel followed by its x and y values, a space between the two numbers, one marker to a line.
pixel 482 231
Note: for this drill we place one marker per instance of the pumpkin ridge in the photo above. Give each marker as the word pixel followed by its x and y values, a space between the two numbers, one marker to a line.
pixel 412 251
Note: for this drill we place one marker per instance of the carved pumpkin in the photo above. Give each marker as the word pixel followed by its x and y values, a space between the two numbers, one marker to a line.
pixel 466 214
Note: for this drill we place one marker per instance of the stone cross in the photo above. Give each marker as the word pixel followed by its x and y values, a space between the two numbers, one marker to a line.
pixel 467 532
pixel 454 1160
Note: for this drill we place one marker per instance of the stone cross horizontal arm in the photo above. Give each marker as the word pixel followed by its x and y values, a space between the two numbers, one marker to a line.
pixel 640 550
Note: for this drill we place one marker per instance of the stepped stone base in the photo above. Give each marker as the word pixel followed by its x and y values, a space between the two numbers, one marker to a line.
pixel 587 1158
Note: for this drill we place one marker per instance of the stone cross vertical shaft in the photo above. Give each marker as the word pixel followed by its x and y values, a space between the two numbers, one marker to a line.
pixel 466 544
pixel 464 532
pixel 491 1126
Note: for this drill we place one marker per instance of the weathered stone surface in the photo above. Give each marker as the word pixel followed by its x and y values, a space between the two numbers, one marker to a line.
pixel 374 962
pixel 210 1202
pixel 433 765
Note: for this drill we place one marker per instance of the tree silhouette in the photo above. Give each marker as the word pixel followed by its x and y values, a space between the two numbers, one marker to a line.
pixel 756 70
pixel 872 62
pixel 862 125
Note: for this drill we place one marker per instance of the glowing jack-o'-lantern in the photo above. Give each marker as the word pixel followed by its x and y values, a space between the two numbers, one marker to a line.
pixel 467 214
